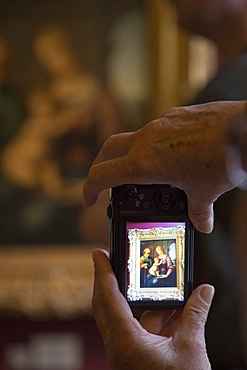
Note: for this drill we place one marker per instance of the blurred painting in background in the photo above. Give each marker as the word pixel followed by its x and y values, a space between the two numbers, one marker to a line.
pixel 72 73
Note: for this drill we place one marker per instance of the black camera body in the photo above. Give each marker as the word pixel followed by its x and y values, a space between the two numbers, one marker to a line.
pixel 152 245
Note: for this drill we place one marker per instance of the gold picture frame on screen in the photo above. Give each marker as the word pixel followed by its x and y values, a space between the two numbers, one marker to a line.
pixel 172 237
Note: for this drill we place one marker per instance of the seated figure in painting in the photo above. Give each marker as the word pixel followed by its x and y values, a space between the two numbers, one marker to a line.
pixel 146 262
pixel 45 164
pixel 91 116
pixel 33 181
pixel 166 276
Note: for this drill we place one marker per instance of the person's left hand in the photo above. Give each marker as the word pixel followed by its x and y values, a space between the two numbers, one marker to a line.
pixel 185 148
pixel 163 339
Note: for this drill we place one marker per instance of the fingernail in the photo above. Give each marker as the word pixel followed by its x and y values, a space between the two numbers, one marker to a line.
pixel 97 250
pixel 89 202
pixel 206 226
pixel 207 293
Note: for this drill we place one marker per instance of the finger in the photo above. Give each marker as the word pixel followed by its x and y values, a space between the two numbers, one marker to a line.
pixel 106 175
pixel 155 321
pixel 196 311
pixel 103 176
pixel 190 332
pixel 110 308
pixel 114 147
pixel 201 215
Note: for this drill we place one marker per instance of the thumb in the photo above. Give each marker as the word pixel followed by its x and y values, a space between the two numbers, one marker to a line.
pixel 196 311
pixel 201 215
pixel 191 328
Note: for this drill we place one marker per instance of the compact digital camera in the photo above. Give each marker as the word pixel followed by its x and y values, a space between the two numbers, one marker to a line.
pixel 152 245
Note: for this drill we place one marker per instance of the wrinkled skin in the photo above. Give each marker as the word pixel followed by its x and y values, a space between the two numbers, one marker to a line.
pixel 163 339
pixel 184 148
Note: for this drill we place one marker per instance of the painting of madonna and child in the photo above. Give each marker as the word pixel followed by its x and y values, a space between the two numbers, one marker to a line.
pixel 156 260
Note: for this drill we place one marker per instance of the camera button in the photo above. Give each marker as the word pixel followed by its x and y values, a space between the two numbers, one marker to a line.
pixel 182 206
pixel 146 204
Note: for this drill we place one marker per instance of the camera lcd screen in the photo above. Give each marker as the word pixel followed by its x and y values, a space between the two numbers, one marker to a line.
pixel 155 261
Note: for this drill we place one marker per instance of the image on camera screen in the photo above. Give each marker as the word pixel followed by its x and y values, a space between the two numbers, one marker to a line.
pixel 155 261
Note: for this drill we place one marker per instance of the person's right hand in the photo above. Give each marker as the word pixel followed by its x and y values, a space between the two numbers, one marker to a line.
pixel 184 148
pixel 163 339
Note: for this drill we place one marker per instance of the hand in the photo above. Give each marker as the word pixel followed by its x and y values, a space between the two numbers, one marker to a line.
pixel 162 339
pixel 144 265
pixel 185 148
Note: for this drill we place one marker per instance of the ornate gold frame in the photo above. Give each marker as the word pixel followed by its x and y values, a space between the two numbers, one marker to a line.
pixel 46 281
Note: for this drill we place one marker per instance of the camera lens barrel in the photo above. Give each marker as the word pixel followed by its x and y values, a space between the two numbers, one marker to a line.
pixel 165 198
